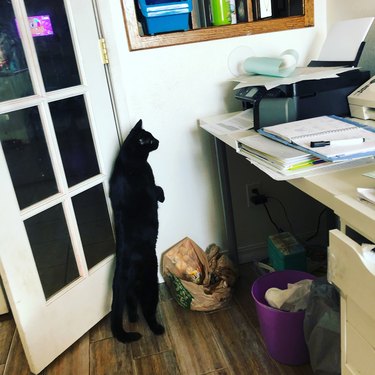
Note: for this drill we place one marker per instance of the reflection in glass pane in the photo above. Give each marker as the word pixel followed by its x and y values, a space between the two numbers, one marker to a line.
pixel 14 76
pixel 74 137
pixel 52 249
pixel 24 145
pixel 94 225
pixel 50 30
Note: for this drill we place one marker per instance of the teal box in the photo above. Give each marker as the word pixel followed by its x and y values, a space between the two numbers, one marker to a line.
pixel 286 253
pixel 162 16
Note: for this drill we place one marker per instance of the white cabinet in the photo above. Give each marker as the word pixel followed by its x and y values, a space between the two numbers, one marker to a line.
pixel 354 275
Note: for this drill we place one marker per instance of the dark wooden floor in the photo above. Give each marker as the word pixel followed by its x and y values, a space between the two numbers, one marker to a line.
pixel 222 342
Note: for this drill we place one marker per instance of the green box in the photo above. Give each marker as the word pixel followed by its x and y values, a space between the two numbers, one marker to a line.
pixel 286 253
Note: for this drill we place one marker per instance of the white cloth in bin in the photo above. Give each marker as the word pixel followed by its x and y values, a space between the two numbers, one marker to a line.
pixel 292 299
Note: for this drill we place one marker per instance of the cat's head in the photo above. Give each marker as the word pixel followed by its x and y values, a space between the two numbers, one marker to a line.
pixel 140 142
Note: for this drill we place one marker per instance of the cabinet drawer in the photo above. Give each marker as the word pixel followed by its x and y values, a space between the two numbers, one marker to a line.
pixel 354 275
pixel 361 321
pixel 351 272
pixel 360 356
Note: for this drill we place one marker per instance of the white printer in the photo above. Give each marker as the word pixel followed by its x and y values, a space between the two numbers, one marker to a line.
pixel 362 101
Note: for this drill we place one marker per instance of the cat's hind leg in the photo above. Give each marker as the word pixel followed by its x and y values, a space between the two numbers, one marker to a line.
pixel 131 307
pixel 118 303
pixel 149 301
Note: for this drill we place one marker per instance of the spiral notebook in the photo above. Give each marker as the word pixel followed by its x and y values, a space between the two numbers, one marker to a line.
pixel 299 134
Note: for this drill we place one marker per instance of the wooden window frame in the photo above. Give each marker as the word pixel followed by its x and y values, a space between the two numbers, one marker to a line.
pixel 138 42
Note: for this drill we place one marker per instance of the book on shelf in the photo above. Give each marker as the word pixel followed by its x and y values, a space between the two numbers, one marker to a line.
pixel 340 139
pixel 204 12
pixel 244 10
pixel 201 15
pixel 195 15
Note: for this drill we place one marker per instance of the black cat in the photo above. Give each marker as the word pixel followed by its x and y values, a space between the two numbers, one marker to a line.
pixel 134 197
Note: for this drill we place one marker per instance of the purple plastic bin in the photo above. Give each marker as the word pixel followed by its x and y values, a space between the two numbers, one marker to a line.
pixel 282 331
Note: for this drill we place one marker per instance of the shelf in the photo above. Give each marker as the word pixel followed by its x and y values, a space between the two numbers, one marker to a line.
pixel 137 42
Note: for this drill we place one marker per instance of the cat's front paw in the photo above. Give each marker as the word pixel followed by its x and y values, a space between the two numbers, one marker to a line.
pixel 160 194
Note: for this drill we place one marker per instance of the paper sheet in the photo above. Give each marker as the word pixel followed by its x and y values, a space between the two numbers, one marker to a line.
pixel 300 74
pixel 242 121
pixel 344 38
pixel 319 169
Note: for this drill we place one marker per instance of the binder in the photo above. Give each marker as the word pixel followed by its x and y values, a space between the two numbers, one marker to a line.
pixel 300 134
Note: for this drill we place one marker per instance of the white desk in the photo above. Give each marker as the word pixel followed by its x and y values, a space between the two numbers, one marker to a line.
pixel 347 268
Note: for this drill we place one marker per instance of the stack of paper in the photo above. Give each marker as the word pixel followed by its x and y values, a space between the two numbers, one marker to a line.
pixel 328 130
pixel 276 156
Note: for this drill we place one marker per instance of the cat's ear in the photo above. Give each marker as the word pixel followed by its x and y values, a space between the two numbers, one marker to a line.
pixel 138 125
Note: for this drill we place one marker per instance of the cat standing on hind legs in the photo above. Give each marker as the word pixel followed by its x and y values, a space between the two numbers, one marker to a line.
pixel 134 197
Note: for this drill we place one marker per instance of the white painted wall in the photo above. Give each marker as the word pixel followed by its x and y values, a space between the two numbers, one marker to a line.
pixel 170 88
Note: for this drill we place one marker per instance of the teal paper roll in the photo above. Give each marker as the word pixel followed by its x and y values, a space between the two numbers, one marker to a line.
pixel 282 66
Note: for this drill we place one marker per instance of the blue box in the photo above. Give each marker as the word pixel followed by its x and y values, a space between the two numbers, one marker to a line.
pixel 285 252
pixel 161 16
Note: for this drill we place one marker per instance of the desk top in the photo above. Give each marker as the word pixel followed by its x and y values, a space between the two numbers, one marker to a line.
pixel 335 189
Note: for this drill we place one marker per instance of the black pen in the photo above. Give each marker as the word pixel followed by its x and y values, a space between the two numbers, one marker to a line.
pixel 338 142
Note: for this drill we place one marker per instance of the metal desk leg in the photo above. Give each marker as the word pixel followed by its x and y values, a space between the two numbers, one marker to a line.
pixel 222 165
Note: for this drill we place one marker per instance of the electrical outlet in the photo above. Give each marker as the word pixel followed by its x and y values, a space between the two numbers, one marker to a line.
pixel 250 188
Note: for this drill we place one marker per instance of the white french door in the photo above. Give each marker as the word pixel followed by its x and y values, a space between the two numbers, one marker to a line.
pixel 58 140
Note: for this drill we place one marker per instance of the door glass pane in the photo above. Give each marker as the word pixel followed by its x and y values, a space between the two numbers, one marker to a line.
pixel 50 30
pixel 74 137
pixel 94 225
pixel 24 145
pixel 52 249
pixel 14 76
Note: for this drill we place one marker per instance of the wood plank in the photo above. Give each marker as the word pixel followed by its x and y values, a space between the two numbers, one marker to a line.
pixel 164 293
pixel 196 350
pixel 16 363
pixel 102 330
pixel 149 343
pixel 110 357
pixel 7 328
pixel 224 342
pixel 75 360
pixel 242 292
pixel 159 364
pixel 220 372
pixel 243 348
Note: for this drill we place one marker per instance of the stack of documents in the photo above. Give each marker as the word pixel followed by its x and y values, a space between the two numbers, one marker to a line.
pixel 339 139
pixel 276 156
